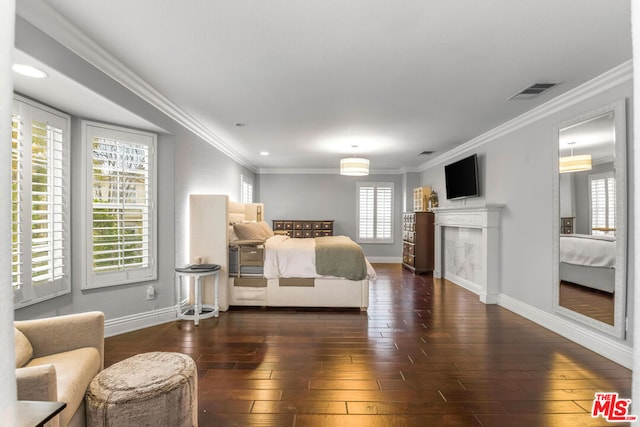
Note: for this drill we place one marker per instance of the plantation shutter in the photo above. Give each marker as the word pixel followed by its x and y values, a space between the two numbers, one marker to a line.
pixel 17 206
pixel 384 209
pixel 246 189
pixel 40 237
pixel 375 212
pixel 121 199
pixel 603 203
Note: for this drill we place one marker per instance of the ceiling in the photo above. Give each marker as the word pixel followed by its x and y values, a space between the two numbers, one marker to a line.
pixel 306 80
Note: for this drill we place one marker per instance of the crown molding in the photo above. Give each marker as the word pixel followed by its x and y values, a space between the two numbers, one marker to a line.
pixel 49 21
pixel 321 171
pixel 308 171
pixel 595 86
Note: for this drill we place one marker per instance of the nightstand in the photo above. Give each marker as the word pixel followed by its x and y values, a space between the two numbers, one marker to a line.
pixel 195 309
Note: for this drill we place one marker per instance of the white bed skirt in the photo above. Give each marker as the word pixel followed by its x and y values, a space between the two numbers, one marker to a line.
pixel 325 293
pixel 601 278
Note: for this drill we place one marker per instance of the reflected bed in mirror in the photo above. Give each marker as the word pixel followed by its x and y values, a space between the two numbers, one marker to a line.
pixel 590 228
pixel 587 275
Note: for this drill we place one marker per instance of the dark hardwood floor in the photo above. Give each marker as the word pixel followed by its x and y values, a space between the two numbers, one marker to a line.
pixel 427 353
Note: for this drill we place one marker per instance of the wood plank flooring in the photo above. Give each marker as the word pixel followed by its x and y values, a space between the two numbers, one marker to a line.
pixel 427 353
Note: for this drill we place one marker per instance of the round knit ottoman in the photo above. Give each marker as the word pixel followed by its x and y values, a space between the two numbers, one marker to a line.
pixel 149 389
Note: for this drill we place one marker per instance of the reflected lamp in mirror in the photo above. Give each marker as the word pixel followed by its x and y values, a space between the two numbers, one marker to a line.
pixel 575 163
pixel 354 166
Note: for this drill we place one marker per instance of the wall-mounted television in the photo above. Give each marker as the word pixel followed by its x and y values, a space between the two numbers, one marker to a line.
pixel 461 178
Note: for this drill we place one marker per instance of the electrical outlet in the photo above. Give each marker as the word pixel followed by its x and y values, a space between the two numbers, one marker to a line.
pixel 151 292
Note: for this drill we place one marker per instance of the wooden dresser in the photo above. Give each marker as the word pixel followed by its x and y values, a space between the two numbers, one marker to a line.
pixel 303 228
pixel 418 241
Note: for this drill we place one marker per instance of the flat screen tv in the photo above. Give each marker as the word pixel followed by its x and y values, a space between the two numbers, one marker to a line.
pixel 461 178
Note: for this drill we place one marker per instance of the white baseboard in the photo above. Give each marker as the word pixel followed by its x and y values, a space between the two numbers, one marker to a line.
pixel 137 321
pixel 607 347
pixel 464 283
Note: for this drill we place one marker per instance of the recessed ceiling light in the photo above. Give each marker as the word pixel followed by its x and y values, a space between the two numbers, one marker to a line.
pixel 264 153
pixel 29 71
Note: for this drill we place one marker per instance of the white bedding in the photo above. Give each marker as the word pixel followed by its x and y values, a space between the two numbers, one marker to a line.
pixel 288 257
pixel 592 251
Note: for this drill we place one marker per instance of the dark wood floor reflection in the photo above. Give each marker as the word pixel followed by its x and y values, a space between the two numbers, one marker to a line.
pixel 425 354
pixel 596 304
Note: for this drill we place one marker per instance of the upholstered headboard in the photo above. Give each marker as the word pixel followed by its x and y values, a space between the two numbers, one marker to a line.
pixel 239 212
pixel 209 219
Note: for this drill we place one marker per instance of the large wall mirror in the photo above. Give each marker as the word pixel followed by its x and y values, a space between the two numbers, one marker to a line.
pixel 590 233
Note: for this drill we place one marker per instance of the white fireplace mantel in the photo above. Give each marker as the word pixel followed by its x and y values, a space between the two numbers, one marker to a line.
pixel 477 268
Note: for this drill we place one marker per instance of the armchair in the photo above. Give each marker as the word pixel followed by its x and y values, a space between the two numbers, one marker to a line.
pixel 56 359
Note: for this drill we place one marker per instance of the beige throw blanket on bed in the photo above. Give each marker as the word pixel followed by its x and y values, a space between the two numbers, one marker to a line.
pixel 340 256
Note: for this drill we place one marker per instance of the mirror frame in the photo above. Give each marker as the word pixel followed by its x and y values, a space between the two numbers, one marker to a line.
pixel 619 326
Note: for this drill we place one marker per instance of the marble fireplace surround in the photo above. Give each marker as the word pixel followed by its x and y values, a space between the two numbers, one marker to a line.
pixel 467 251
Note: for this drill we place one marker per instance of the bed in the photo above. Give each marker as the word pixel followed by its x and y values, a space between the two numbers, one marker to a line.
pixel 588 260
pixel 288 276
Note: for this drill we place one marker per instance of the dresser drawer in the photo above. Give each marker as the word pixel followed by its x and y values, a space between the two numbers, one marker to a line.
pixel 408 248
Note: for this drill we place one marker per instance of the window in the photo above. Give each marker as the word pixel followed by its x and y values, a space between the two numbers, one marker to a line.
pixel 603 203
pixel 246 189
pixel 40 237
pixel 375 212
pixel 121 242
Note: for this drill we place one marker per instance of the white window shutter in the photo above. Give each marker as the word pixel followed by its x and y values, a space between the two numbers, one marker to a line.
pixel 603 203
pixel 40 209
pixel 375 212
pixel 122 244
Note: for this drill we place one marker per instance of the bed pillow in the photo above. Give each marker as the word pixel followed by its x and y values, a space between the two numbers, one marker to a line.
pixel 267 230
pixel 232 234
pixel 250 231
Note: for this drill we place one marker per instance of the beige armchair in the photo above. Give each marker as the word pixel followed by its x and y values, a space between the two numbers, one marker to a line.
pixel 56 359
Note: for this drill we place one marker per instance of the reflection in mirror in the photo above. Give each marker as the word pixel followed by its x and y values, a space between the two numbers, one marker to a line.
pixel 591 255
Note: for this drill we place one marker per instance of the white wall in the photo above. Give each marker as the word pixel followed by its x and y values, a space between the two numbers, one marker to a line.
pixel 329 196
pixel 515 168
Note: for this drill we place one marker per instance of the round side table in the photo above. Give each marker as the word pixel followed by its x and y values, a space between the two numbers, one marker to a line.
pixel 197 310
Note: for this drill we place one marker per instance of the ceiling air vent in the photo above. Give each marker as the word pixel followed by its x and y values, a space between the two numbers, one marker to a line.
pixel 533 90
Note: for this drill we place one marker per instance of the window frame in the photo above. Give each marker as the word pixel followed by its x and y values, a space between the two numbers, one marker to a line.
pixel 376 215
pixel 92 279
pixel 26 292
